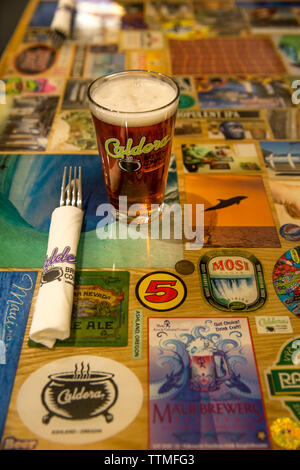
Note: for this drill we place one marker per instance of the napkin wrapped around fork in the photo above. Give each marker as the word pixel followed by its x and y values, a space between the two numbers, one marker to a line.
pixel 62 19
pixel 53 308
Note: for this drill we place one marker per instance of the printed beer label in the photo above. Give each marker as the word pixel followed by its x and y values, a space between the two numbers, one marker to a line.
pixel 79 399
pixel 203 385
pixel 283 379
pixel 232 280
pixel 286 280
pixel 100 310
pixel 115 150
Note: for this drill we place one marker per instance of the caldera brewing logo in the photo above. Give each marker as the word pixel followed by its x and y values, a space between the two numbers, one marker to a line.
pixel 52 272
pixel 80 394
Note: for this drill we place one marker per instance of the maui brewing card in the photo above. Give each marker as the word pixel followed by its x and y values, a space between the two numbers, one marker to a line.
pixel 203 385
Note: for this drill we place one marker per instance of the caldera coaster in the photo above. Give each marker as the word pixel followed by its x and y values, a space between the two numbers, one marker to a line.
pixel 286 279
pixel 79 399
pixel 233 280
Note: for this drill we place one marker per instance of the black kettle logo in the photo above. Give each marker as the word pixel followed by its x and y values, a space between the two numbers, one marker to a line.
pixel 79 395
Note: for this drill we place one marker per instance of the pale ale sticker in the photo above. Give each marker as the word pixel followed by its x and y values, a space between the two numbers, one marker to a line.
pixel 232 280
pixel 79 399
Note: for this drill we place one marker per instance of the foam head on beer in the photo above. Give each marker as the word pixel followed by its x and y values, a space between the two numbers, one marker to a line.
pixel 137 100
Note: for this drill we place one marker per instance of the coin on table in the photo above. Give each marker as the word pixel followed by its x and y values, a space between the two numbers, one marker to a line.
pixel 185 267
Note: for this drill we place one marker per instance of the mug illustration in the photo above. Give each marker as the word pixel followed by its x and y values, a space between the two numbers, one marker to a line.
pixel 79 395
pixel 208 371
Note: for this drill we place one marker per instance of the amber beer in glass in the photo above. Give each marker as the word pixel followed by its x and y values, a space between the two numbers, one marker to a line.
pixel 134 116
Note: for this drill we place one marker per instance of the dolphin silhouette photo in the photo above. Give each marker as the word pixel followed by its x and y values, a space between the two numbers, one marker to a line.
pixel 226 203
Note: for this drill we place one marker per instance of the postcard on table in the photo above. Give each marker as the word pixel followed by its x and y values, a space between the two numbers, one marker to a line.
pixel 142 40
pixel 289 48
pixel 157 12
pixel 243 124
pixel 222 21
pixel 236 210
pixel 33 85
pixel 73 131
pixel 40 60
pixel 204 390
pixel 284 123
pixel 99 61
pixel 266 17
pixel 25 122
pixel 26 208
pixel 154 60
pixel 286 198
pixel 243 92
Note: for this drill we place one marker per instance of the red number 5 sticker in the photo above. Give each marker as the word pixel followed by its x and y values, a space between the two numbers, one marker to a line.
pixel 161 291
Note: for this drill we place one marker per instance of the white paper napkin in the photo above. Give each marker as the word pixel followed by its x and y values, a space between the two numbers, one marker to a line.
pixel 63 17
pixel 53 308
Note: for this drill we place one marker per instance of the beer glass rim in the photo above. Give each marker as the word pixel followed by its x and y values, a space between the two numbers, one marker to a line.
pixel 127 72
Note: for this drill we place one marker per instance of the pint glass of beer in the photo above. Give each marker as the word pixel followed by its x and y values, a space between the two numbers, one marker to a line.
pixel 134 116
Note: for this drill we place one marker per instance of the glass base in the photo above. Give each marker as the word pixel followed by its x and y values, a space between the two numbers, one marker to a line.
pixel 141 218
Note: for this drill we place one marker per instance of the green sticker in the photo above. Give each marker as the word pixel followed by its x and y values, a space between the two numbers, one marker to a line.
pixel 100 310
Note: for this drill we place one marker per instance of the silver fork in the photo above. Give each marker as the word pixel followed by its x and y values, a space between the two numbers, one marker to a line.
pixel 57 38
pixel 71 193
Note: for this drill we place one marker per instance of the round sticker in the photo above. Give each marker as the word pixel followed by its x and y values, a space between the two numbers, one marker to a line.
pixel 286 277
pixel 79 399
pixel 161 291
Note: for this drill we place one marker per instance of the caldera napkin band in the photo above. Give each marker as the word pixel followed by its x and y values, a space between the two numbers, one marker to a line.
pixel 53 308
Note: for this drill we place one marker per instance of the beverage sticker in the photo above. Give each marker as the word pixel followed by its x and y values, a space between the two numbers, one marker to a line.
pixel 203 385
pixel 286 279
pixel 272 324
pixel 161 291
pixel 16 291
pixel 233 280
pixel 79 399
pixel 100 310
